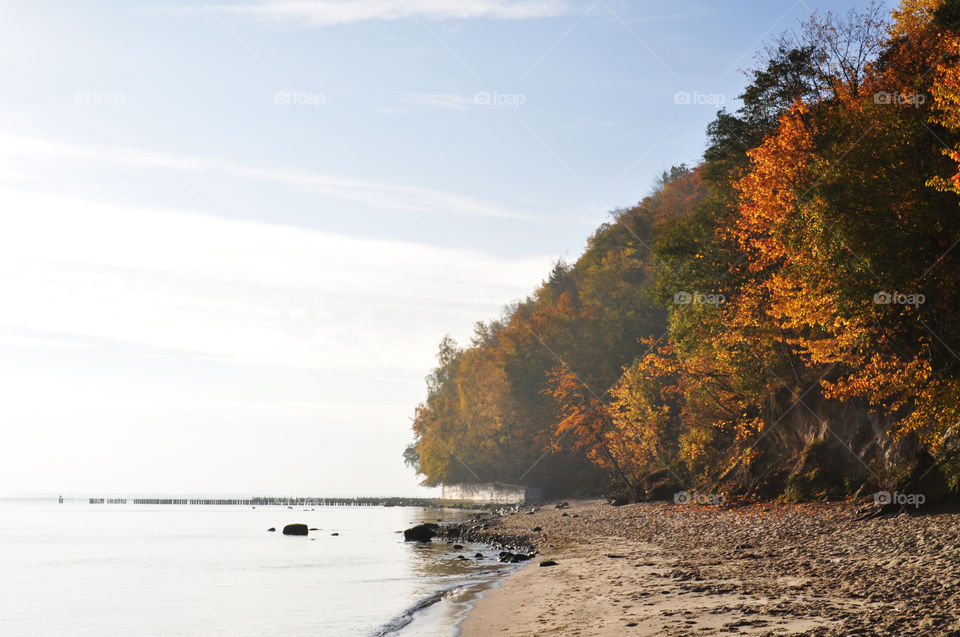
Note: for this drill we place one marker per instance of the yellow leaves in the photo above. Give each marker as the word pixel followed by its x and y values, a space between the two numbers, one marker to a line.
pixel 895 385
pixel 749 428
pixel 808 312
pixel 914 48
pixel 946 105
pixel 946 87
pixel 876 381
pixel 768 193
pixel 643 408
pixel 583 416
pixel 797 304
pixel 912 17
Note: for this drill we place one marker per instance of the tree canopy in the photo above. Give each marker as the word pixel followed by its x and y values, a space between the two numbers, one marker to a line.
pixel 781 319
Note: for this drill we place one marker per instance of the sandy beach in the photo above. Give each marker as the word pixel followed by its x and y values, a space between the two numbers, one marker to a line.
pixel 665 569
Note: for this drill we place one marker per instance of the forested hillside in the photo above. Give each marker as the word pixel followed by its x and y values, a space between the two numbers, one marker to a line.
pixel 782 319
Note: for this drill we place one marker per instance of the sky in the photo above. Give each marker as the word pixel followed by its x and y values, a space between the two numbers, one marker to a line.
pixel 233 233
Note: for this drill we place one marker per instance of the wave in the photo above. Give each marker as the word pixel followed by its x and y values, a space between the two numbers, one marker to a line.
pixel 404 618
pixel 474 584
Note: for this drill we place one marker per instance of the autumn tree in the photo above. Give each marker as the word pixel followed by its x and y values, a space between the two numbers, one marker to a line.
pixel 780 319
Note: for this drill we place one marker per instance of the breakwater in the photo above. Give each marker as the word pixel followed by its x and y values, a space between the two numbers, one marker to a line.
pixel 272 501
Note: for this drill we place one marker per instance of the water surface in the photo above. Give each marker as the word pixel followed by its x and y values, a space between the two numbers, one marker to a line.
pixel 82 569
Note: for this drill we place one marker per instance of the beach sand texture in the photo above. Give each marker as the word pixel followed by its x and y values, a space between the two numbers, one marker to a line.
pixel 664 569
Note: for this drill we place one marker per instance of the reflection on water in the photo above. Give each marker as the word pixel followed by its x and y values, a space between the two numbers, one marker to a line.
pixel 439 559
pixel 201 570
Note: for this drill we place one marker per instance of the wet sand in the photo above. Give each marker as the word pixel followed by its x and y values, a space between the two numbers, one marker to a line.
pixel 665 569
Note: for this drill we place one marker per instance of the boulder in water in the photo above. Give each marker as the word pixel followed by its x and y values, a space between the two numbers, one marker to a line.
pixel 296 529
pixel 421 532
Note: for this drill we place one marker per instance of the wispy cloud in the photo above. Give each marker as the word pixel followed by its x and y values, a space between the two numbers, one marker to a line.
pixel 127 329
pixel 598 122
pixel 156 282
pixel 439 100
pixel 321 13
pixel 14 150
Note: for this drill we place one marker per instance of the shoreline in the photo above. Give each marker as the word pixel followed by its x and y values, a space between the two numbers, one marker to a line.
pixel 763 569
pixel 443 610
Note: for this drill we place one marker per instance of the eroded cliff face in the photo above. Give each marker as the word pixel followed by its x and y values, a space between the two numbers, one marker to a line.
pixel 828 450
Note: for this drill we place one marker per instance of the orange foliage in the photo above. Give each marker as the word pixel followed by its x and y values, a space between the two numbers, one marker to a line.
pixel 769 192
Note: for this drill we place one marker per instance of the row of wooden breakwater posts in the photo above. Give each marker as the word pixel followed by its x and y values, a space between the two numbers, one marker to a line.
pixel 300 502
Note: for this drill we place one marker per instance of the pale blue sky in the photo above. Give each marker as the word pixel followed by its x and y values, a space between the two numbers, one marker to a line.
pixel 232 234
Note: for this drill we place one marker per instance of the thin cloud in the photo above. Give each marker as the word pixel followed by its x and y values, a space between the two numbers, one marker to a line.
pixel 439 100
pixel 322 13
pixel 160 282
pixel 14 149
pixel 598 122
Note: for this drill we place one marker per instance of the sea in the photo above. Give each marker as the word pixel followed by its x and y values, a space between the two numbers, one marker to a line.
pixel 160 569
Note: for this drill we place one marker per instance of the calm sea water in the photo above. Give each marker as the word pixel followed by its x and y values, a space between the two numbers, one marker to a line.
pixel 82 569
